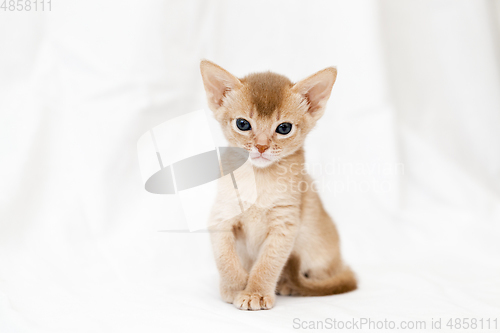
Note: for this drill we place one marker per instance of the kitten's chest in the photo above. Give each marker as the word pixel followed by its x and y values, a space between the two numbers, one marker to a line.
pixel 252 233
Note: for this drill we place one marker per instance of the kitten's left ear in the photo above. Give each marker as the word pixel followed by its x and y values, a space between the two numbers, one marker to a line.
pixel 218 82
pixel 317 89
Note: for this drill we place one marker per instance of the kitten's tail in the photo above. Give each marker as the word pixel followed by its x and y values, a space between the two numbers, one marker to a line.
pixel 342 282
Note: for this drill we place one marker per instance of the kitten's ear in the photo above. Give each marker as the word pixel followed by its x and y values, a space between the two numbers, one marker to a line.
pixel 317 89
pixel 218 82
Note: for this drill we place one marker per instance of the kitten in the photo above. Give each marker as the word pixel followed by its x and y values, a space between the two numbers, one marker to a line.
pixel 285 243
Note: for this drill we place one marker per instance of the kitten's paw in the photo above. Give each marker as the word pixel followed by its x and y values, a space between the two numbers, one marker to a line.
pixel 228 294
pixel 286 290
pixel 229 290
pixel 254 301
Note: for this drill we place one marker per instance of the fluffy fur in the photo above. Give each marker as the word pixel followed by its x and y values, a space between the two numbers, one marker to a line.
pixel 285 243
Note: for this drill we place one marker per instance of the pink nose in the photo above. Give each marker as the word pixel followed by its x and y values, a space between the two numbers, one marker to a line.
pixel 261 148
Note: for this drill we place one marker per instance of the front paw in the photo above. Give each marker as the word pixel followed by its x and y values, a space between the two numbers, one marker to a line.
pixel 228 294
pixel 254 300
pixel 229 289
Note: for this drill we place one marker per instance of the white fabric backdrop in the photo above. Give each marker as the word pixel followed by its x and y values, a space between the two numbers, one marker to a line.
pixel 412 134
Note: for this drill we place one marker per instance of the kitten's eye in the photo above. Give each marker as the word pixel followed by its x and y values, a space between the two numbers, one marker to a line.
pixel 242 124
pixel 284 128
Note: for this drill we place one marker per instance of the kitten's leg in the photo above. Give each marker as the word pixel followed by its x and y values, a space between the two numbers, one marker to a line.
pixel 260 289
pixel 233 277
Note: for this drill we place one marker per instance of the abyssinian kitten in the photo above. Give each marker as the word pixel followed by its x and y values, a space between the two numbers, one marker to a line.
pixel 285 243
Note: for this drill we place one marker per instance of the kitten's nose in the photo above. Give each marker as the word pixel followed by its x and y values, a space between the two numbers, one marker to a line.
pixel 261 148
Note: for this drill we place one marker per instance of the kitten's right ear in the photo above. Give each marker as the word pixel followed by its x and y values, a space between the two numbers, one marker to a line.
pixel 218 82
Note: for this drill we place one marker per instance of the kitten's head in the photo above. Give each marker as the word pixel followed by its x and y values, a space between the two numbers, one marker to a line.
pixel 266 113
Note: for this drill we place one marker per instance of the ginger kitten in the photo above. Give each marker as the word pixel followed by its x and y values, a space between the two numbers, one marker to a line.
pixel 285 243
